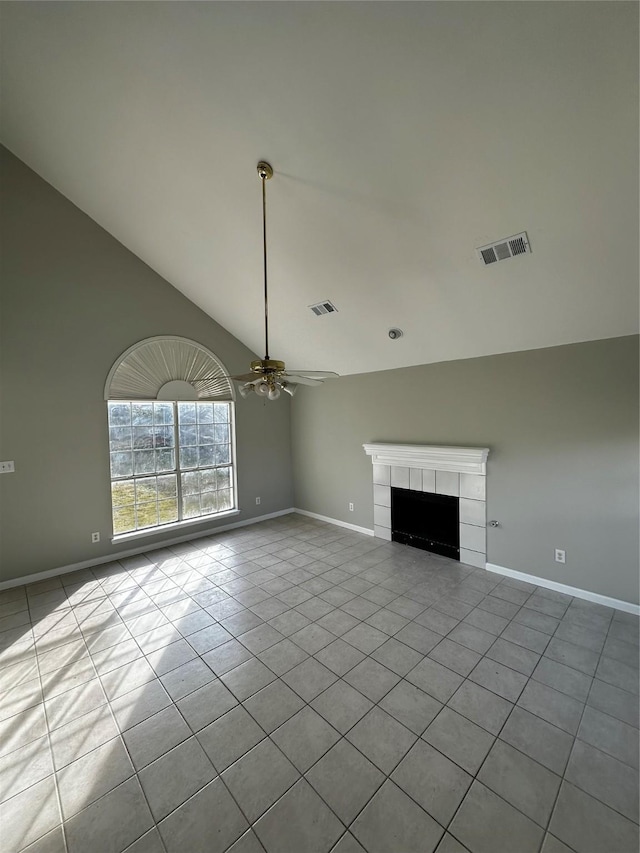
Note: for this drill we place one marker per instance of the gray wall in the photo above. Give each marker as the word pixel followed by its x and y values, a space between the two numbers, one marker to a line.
pixel 73 299
pixel 562 425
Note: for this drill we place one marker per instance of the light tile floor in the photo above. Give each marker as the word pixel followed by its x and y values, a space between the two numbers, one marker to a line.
pixel 295 688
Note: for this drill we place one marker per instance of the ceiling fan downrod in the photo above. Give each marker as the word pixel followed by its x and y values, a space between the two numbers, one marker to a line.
pixel 269 376
pixel 266 173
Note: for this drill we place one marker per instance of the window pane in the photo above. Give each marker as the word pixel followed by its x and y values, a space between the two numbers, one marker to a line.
pixel 186 413
pixel 142 413
pixel 208 480
pixel 190 483
pixel 122 492
pixel 119 414
pixel 146 490
pixel 120 438
pixel 168 511
pixel 205 413
pixel 124 519
pixel 221 412
pixel 167 486
pixel 121 464
pixel 146 515
pixel 188 435
pixel 189 457
pixel 223 454
pixel 224 500
pixel 224 478
pixel 144 461
pixel 163 413
pixel 142 437
pixel 165 460
pixel 191 504
pixel 163 436
pixel 208 502
pixel 207 455
pixel 221 433
pixel 205 434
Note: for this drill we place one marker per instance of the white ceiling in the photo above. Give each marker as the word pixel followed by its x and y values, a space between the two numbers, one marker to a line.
pixel 403 136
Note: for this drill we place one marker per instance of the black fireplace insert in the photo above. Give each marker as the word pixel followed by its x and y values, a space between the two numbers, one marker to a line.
pixel 426 520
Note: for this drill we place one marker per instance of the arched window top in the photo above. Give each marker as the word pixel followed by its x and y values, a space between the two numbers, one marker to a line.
pixel 168 368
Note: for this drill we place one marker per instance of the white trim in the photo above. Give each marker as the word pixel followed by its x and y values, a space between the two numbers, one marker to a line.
pixel 174 525
pixel 466 460
pixel 616 603
pixel 366 530
pixel 158 339
pixel 131 552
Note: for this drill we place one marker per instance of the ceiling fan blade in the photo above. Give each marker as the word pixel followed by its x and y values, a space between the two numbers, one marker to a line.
pixel 300 380
pixel 247 377
pixel 316 374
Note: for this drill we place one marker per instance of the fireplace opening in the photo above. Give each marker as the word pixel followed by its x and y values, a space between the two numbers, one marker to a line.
pixel 426 520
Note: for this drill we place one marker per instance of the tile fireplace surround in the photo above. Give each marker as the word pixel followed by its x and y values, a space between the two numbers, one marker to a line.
pixel 457 471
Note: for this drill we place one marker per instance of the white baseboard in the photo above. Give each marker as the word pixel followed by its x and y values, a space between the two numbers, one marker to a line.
pixel 616 603
pixel 366 530
pixel 141 549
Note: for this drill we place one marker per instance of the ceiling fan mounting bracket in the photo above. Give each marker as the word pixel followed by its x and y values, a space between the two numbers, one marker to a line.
pixel 265 170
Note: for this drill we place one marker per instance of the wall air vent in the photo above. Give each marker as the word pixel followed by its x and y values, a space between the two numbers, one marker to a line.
pixel 503 249
pixel 325 307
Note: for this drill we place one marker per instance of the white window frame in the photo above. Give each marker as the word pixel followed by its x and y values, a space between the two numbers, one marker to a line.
pixel 177 471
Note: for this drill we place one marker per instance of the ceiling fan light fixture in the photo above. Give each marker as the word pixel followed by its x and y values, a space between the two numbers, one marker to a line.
pixel 270 373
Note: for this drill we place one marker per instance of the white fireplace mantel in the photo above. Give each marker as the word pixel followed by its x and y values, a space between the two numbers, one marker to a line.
pixel 464 460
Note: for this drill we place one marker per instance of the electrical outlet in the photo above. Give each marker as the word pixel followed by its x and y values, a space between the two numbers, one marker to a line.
pixel 258 500
pixel 350 507
pixel 7 467
pixel 561 556
pixel 95 537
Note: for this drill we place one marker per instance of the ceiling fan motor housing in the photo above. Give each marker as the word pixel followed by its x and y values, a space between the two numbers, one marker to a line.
pixel 267 365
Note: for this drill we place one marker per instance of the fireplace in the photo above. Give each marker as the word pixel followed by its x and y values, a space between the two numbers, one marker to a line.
pixel 458 473
pixel 425 520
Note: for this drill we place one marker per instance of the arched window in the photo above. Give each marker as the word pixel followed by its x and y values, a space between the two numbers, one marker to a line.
pixel 171 435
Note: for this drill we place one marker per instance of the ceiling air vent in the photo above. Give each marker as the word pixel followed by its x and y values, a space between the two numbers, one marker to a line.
pixel 323 308
pixel 503 249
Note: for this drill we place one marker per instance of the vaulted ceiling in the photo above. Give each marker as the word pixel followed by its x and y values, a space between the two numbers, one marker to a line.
pixel 402 135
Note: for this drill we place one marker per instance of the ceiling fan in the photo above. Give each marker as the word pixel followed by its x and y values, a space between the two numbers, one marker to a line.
pixel 268 376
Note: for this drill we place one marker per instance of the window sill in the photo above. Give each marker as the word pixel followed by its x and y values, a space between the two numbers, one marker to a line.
pixel 176 525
